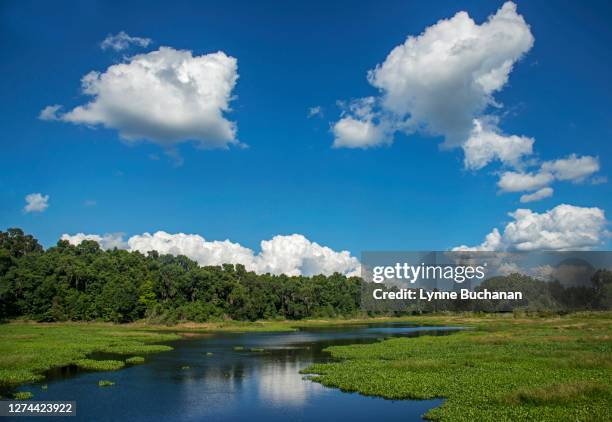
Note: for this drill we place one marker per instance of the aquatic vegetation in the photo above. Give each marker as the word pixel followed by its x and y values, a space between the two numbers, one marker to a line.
pixel 44 387
pixel 105 383
pixel 209 353
pixel 134 360
pixel 184 367
pixel 23 395
pixel 28 350
pixel 256 349
pixel 132 348
pixel 17 376
pixel 238 348
pixel 99 365
pixel 506 368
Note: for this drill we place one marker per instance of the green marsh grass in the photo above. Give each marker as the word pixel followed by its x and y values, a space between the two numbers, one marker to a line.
pixel 99 365
pixel 23 395
pixel 505 368
pixel 27 350
pixel 135 360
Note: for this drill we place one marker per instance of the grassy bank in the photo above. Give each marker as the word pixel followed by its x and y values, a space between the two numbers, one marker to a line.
pixel 29 349
pixel 506 368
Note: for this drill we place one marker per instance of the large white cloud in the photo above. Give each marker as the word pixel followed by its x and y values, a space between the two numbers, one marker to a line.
pixel 565 227
pixel 164 96
pixel 443 79
pixel 291 255
pixel 36 202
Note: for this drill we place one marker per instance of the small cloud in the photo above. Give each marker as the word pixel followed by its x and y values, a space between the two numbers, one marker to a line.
pixel 537 195
pixel 511 181
pixel 599 180
pixel 35 202
pixel 50 112
pixel 154 157
pixel 90 203
pixel 122 41
pixel 175 157
pixel 316 111
pixel 573 168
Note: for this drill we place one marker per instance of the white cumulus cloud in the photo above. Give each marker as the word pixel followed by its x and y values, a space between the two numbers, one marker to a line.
pixel 36 202
pixel 445 77
pixel 122 41
pixel 165 96
pixel 441 80
pixel 291 255
pixel 565 227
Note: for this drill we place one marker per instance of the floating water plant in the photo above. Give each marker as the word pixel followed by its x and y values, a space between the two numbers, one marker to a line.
pixel 185 367
pixel 23 395
pixel 238 348
pixel 256 349
pixel 130 349
pixel 105 383
pixel 99 365
pixel 134 360
pixel 209 353
pixel 44 387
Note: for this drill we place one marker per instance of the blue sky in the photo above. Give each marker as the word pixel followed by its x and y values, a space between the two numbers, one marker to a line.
pixel 410 195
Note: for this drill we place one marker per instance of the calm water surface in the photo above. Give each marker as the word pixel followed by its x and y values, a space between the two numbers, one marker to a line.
pixel 234 385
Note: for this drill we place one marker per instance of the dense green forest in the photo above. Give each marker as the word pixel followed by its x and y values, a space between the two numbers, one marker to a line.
pixel 84 282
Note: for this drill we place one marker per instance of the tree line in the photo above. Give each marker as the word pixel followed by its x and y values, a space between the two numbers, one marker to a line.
pixel 85 282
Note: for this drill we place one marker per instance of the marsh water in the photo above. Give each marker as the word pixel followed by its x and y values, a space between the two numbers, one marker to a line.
pixel 186 384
